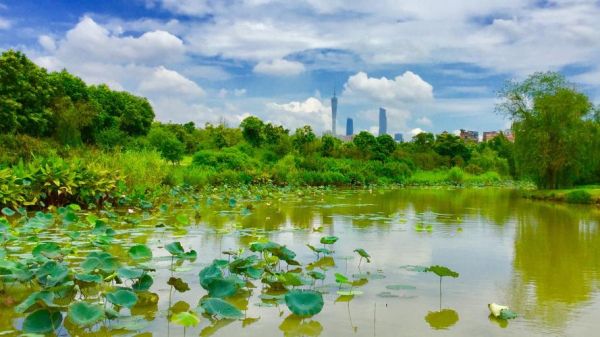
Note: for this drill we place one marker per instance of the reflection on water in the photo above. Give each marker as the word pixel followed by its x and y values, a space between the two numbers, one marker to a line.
pixel 543 260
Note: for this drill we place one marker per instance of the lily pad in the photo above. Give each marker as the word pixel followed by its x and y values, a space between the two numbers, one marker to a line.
pixel 220 308
pixel 179 284
pixel 329 240
pixel 122 297
pixel 42 321
pixel 442 271
pixel 304 303
pixel 140 253
pixel 84 314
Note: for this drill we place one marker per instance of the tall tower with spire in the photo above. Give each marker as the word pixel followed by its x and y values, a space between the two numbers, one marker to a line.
pixel 334 104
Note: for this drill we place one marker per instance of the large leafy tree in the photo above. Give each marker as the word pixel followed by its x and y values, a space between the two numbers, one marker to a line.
pixel 253 130
pixel 549 117
pixel 25 95
pixel 366 143
pixel 452 146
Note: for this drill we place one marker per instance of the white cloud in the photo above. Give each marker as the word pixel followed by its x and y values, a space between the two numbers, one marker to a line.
pixel 296 114
pixel 47 43
pixel 416 131
pixel 424 121
pixel 168 82
pixel 406 88
pixel 239 92
pixel 279 67
pixel 187 7
pixel 5 23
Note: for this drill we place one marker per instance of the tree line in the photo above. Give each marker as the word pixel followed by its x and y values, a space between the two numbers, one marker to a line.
pixel 556 129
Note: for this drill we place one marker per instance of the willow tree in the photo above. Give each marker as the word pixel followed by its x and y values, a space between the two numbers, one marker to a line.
pixel 549 123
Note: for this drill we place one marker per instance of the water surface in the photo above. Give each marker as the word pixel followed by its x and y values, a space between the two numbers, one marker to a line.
pixel 541 259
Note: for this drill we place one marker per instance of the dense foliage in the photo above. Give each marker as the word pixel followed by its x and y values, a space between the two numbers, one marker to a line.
pixel 57 118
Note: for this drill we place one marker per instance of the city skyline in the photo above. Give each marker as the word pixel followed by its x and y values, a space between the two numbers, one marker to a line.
pixel 205 61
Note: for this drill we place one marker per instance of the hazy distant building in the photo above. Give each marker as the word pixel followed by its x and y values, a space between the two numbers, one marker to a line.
pixel 349 127
pixel 398 137
pixel 334 104
pixel 469 135
pixel 382 122
pixel 489 135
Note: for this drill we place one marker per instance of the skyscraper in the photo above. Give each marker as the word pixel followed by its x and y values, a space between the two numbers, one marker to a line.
pixel 349 127
pixel 382 122
pixel 334 103
pixel 398 137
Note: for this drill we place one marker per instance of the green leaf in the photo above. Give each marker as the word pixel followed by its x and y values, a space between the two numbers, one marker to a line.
pixel 221 287
pixel 89 278
pixel 182 219
pixel 42 321
pixel 339 278
pixel 442 271
pixel 304 303
pixel 209 273
pixel 122 297
pixel 8 212
pixel 51 274
pixel 143 283
pixel 185 319
pixel 316 275
pixel 48 250
pixel 175 249
pixel 363 253
pixel 179 284
pixel 140 253
pixel 329 240
pixel 84 314
pixel 507 314
pixel 220 308
pixel 130 273
pixel 43 297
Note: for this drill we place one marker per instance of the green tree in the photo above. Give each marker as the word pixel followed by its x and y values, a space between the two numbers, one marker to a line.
pixel 423 140
pixel 253 130
pixel 165 141
pixel 548 116
pixel 386 145
pixel 304 137
pixel 452 146
pixel 366 143
pixel 25 95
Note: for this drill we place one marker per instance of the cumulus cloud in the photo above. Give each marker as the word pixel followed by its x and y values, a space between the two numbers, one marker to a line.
pixel 296 114
pixel 125 62
pixel 416 131
pixel 424 121
pixel 279 67
pixel 407 88
pixel 169 82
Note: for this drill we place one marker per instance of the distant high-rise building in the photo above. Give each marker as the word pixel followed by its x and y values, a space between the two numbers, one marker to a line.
pixel 469 135
pixel 334 103
pixel 349 127
pixel 398 137
pixel 382 122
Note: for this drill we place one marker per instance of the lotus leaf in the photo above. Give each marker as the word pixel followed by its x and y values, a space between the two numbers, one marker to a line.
pixel 122 297
pixel 42 321
pixel 84 314
pixel 304 303
pixel 220 308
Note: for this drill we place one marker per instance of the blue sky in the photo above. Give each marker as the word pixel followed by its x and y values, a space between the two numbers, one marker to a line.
pixel 434 65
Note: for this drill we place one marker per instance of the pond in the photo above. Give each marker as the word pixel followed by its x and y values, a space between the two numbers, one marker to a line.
pixel 540 259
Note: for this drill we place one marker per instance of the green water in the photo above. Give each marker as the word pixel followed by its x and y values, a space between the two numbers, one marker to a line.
pixel 541 259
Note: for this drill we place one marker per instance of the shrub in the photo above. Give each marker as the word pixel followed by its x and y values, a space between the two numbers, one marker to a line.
pixel 579 197
pixel 455 176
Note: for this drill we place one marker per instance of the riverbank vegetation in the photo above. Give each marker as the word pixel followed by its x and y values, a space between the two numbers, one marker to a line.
pixel 64 141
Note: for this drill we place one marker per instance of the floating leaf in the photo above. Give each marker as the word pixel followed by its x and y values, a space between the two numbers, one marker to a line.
pixel 140 253
pixel 52 273
pixel 400 287
pixel 221 287
pixel 42 321
pixel 43 297
pixel 304 303
pixel 349 292
pixel 220 308
pixel 185 319
pixel 209 273
pixel 49 250
pixel 84 314
pixel 387 294
pixel 122 297
pixel 175 249
pixel 131 323
pixel 89 278
pixel 130 273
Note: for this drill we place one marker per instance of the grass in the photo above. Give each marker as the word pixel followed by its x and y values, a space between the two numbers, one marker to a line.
pixel 587 194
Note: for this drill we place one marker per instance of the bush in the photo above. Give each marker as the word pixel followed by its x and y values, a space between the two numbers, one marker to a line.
pixel 229 158
pixel 579 197
pixel 455 176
